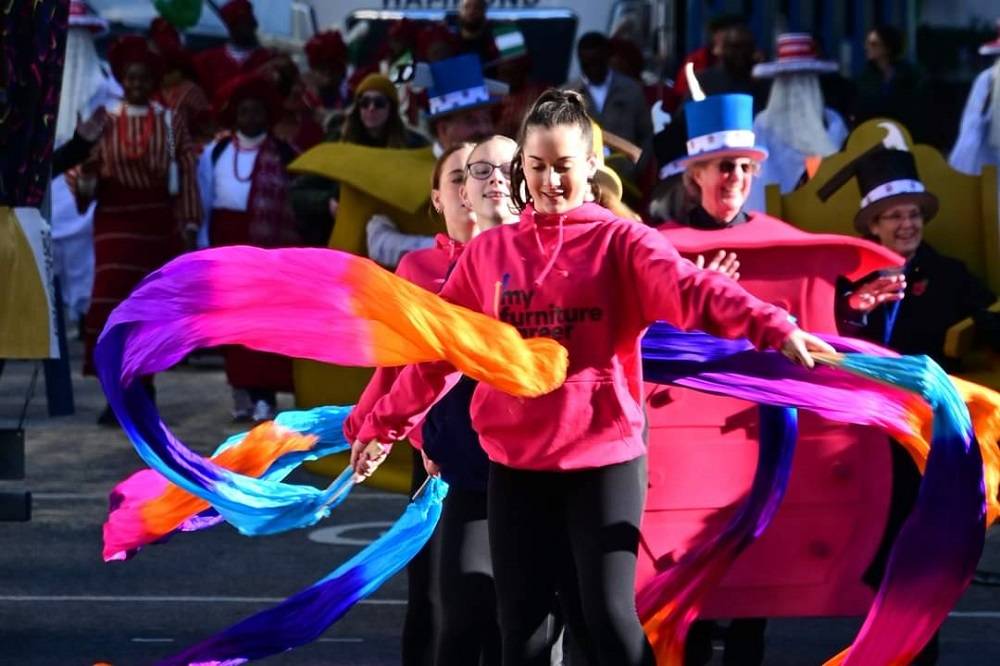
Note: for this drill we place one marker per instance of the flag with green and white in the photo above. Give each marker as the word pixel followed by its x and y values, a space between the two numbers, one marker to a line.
pixel 509 41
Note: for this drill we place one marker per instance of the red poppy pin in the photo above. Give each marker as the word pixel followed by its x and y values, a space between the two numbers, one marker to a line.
pixel 919 287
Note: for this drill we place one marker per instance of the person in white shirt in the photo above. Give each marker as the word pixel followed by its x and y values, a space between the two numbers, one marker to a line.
pixel 978 140
pixel 244 188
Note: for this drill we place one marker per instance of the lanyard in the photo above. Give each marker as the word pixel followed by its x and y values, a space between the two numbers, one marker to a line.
pixel 890 322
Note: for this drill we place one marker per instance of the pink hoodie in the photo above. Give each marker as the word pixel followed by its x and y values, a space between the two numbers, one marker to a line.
pixel 425 268
pixel 594 283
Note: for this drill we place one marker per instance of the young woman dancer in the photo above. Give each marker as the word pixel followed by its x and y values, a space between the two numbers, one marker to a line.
pixel 428 268
pixel 567 472
pixel 467 631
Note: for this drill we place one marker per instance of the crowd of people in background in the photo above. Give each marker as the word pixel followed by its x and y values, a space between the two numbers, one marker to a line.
pixel 198 142
pixel 247 111
pixel 196 147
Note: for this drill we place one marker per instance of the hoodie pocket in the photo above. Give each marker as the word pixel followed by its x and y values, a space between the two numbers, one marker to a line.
pixel 556 426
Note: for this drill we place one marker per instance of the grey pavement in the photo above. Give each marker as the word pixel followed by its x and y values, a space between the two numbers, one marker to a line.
pixel 60 605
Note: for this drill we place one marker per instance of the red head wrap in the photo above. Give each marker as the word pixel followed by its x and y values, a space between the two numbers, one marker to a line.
pixel 326 48
pixel 256 85
pixel 130 49
pixel 236 11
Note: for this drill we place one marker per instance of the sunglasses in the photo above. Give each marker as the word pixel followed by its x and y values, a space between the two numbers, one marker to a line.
pixel 728 167
pixel 373 101
pixel 483 170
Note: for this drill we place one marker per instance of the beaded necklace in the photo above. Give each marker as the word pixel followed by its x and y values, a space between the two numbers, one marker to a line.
pixel 236 159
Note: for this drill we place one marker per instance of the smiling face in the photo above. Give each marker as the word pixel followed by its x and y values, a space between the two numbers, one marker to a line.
pixel 137 84
pixel 900 228
pixel 487 183
pixel 725 184
pixel 558 166
pixel 446 196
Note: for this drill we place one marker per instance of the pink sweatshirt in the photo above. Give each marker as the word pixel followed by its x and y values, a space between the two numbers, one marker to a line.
pixel 425 268
pixel 594 283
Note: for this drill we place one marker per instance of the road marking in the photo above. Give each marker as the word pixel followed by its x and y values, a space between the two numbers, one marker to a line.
pixel 90 598
pixel 103 497
pixel 335 535
pixel 152 640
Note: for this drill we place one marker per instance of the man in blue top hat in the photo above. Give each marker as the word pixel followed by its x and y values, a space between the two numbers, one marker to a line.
pixel 779 264
pixel 460 108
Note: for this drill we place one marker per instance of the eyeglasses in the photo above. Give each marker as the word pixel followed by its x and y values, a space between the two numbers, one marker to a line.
pixel 728 167
pixel 483 170
pixel 899 217
pixel 373 101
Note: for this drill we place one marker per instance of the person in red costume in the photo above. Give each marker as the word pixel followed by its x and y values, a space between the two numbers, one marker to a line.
pixel 567 475
pixel 241 55
pixel 141 173
pixel 326 88
pixel 178 89
pixel 786 267
pixel 244 190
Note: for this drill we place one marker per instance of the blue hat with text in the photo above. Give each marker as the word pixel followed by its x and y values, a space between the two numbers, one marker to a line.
pixel 457 84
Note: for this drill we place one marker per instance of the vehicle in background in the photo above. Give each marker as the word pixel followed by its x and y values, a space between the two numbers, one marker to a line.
pixel 550 27
pixel 549 34
pixel 283 24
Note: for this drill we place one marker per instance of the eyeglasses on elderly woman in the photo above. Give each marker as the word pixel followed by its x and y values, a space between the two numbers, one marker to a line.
pixel 899 216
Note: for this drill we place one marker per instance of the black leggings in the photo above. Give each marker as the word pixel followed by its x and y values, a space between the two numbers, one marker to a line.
pixel 467 631
pixel 418 625
pixel 575 533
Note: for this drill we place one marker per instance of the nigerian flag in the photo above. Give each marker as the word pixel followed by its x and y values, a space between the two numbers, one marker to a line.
pixel 509 41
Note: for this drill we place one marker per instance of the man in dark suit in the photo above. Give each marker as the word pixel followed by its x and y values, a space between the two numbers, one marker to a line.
pixel 614 100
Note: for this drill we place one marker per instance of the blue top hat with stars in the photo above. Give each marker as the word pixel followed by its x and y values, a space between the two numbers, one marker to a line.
pixel 457 84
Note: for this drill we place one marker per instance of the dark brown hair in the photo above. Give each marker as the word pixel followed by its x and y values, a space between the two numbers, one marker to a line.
pixel 553 107
pixel 439 168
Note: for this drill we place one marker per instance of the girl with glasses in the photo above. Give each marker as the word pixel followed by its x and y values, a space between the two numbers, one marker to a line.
pixel 467 631
pixel 427 268
pixel 567 472
pixel 486 190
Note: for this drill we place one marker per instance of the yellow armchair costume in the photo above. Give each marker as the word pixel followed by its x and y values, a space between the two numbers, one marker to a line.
pixel 968 204
pixel 391 182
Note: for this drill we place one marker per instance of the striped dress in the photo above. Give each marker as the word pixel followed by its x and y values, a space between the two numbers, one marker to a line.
pixel 138 224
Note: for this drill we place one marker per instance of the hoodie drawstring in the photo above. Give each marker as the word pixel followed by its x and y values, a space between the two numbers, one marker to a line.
pixel 555 253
